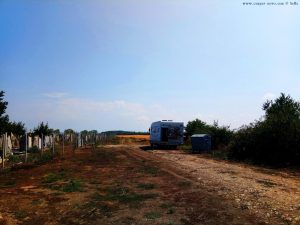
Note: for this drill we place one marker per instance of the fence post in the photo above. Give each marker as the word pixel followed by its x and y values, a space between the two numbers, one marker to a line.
pixel 26 147
pixel 53 141
pixel 3 150
pixel 42 144
pixel 63 144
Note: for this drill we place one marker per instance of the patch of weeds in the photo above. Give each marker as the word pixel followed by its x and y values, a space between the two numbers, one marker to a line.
pixel 72 186
pixel 16 158
pixel 5 170
pixel 220 154
pixel 56 193
pixel 171 211
pixel 187 148
pixel 106 210
pixel 165 205
pixel 8 184
pixel 123 195
pixel 184 184
pixel 152 215
pixel 128 220
pixel 151 170
pixel 168 207
pixel 94 181
pixel 45 157
pixel 146 186
pixel 105 154
pixel 21 214
pixel 36 202
pixel 33 149
pixel 170 222
pixel 266 183
pixel 97 203
pixel 53 177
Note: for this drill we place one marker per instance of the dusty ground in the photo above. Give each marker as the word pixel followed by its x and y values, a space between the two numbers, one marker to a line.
pixel 123 184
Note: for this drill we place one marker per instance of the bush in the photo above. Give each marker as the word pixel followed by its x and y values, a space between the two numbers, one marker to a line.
pixel 15 158
pixel 33 149
pixel 221 135
pixel 275 140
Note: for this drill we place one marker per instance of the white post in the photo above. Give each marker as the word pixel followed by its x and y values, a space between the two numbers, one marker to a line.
pixel 53 144
pixel 42 143
pixel 3 150
pixel 26 147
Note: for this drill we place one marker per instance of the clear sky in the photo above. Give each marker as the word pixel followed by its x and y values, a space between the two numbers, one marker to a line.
pixel 121 64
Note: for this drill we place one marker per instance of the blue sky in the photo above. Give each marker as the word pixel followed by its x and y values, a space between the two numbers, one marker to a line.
pixel 123 64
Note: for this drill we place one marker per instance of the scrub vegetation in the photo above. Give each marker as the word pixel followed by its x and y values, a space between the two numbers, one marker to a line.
pixel 273 140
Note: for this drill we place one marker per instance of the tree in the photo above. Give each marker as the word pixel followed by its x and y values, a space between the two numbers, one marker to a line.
pixel 84 132
pixel 274 140
pixel 56 132
pixel 4 119
pixel 17 129
pixel 221 135
pixel 42 129
pixel 69 131
pixel 284 107
pixel 196 126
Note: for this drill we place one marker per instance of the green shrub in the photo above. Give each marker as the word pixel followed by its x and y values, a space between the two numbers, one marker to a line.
pixel 73 186
pixel 221 135
pixel 15 158
pixel 274 140
pixel 33 149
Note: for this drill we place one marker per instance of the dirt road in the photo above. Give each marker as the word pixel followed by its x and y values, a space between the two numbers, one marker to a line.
pixel 123 184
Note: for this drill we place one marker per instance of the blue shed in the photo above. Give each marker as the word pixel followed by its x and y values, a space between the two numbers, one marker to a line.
pixel 201 142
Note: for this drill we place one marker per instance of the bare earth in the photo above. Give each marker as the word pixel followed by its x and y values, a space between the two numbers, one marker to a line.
pixel 123 184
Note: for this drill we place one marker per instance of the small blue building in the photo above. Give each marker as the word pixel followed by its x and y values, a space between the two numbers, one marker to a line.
pixel 201 142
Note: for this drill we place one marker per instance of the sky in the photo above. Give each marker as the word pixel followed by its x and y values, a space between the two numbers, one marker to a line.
pixel 122 64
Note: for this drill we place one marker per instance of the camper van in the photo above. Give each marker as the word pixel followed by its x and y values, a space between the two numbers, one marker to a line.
pixel 167 133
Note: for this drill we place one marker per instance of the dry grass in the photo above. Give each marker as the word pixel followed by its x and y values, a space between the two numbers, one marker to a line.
pixel 141 136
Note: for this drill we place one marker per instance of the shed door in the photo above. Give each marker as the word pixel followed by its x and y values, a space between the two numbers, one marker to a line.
pixel 164 134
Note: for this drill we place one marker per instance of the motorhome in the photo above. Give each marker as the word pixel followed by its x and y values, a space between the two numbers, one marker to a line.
pixel 166 133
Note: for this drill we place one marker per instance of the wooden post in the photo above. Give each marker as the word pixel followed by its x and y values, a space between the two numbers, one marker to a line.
pixel 63 144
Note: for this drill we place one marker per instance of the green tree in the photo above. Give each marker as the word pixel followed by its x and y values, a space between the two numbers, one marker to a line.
pixel 196 126
pixel 275 140
pixel 84 132
pixel 42 129
pixel 283 108
pixel 69 131
pixel 17 129
pixel 4 119
pixel 56 132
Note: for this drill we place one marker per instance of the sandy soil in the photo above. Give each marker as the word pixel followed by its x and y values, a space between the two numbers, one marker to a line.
pixel 124 184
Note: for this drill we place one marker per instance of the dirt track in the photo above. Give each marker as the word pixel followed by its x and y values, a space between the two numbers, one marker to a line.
pixel 123 184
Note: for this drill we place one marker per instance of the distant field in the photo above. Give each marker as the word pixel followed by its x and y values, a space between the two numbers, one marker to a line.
pixel 141 136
